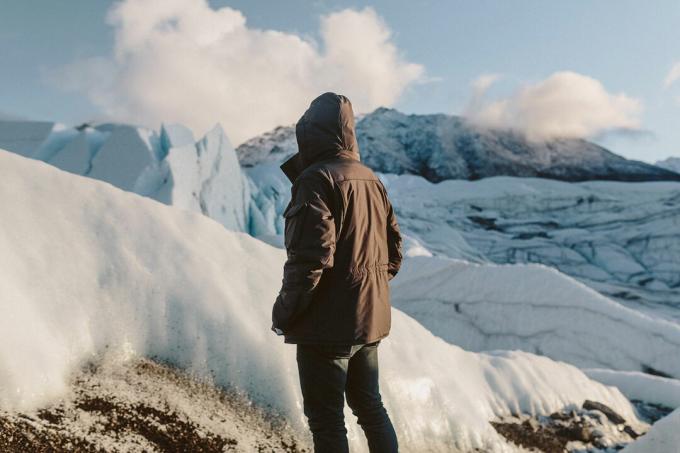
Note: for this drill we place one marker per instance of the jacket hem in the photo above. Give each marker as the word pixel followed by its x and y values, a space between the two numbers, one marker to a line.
pixel 311 340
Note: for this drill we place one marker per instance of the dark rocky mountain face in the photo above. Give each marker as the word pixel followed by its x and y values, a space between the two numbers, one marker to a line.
pixel 440 147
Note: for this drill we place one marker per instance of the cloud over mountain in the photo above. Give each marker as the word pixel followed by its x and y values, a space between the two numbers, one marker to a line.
pixel 564 105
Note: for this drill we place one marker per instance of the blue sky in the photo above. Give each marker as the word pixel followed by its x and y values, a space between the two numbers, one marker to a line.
pixel 628 46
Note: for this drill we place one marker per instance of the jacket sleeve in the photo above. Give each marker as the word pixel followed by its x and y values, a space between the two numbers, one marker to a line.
pixel 393 240
pixel 310 245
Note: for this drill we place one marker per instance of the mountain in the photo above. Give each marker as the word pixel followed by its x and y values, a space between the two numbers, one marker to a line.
pixel 439 147
pixel 670 163
pixel 99 272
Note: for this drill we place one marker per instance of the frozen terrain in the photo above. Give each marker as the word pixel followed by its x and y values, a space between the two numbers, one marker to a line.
pixel 91 268
pixel 664 437
pixel 534 308
pixel 621 239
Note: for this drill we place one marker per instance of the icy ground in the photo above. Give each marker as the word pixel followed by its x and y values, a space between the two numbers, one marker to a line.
pixel 91 268
pixel 664 437
pixel 622 239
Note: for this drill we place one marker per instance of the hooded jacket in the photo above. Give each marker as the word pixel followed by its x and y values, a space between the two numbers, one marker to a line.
pixel 341 236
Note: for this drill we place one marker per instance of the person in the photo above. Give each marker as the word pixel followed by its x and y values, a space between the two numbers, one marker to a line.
pixel 343 246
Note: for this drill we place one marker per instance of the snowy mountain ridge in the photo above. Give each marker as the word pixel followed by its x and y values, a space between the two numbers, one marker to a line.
pixel 439 147
pixel 670 163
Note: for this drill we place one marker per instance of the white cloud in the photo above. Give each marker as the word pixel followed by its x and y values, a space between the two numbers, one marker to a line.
pixel 182 61
pixel 482 83
pixel 565 105
pixel 672 76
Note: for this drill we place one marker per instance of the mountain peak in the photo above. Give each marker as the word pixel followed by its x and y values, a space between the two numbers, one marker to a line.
pixel 440 146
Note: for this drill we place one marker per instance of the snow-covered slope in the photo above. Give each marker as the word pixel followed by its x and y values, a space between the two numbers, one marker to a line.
pixel 670 163
pixel 440 147
pixel 534 308
pixel 169 165
pixel 664 437
pixel 641 386
pixel 88 268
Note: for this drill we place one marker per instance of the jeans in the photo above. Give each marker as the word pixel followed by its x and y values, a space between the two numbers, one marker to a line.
pixel 327 373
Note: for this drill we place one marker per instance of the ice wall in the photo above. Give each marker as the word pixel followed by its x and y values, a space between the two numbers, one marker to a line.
pixel 170 166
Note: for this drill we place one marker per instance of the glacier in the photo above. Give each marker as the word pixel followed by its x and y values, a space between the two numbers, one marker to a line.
pixel 90 268
pixel 619 238
pixel 664 437
pixel 169 165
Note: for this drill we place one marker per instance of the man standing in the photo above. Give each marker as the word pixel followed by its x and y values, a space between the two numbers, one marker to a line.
pixel 343 246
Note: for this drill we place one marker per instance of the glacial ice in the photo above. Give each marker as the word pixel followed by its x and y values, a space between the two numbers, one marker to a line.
pixel 87 268
pixel 534 308
pixel 169 166
pixel 664 437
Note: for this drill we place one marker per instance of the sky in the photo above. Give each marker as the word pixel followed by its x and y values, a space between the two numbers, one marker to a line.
pixel 601 70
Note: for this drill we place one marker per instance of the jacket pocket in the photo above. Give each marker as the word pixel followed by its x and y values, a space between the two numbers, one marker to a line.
pixel 294 222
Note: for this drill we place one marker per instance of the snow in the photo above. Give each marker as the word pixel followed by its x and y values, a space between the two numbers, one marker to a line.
pixel 534 308
pixel 619 238
pixel 670 163
pixel 88 268
pixel 641 386
pixel 664 437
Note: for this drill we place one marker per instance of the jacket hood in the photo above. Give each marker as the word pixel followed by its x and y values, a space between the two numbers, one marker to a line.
pixel 325 130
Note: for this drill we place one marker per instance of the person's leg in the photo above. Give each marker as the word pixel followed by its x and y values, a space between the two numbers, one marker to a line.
pixel 363 396
pixel 323 375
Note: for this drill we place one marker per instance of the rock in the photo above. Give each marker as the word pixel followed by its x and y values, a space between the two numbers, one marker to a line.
pixel 630 431
pixel 606 410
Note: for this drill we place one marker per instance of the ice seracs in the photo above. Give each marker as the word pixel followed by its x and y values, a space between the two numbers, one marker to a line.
pixel 169 165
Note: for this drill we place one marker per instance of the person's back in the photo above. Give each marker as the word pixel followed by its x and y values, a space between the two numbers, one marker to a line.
pixel 343 246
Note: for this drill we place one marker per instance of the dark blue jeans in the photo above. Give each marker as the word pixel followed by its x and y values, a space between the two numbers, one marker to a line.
pixel 327 373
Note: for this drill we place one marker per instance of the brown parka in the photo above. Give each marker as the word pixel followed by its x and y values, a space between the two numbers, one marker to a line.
pixel 341 236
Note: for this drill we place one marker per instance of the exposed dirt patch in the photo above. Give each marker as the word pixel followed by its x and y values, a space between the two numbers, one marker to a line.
pixel 147 407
